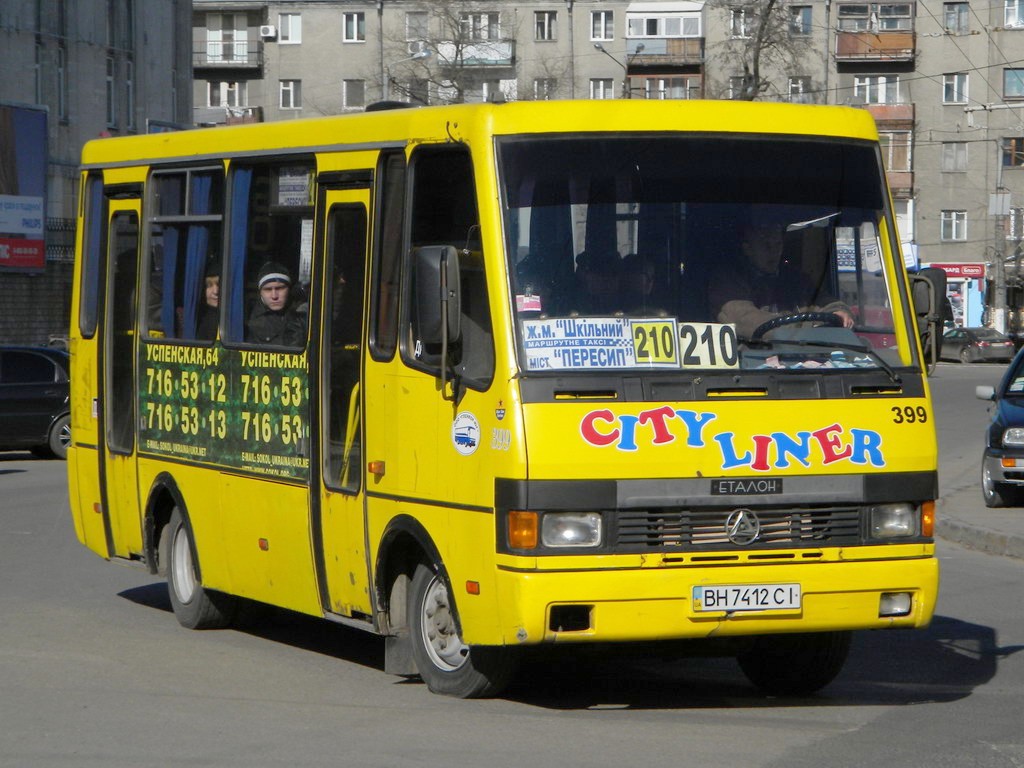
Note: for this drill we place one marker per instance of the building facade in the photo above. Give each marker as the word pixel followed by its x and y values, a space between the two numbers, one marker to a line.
pixel 96 68
pixel 939 78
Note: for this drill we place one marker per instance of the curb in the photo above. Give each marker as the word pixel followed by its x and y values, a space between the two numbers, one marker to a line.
pixel 981 539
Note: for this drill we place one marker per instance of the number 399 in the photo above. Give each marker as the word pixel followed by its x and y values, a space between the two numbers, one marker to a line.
pixel 908 414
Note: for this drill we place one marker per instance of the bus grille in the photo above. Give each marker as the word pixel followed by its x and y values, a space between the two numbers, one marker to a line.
pixel 700 529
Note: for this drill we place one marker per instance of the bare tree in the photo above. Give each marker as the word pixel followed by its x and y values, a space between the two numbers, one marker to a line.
pixel 461 47
pixel 761 37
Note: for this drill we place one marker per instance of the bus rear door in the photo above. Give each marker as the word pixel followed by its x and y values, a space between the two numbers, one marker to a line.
pixel 119 474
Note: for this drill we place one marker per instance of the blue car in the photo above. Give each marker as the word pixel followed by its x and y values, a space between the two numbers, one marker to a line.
pixel 1002 465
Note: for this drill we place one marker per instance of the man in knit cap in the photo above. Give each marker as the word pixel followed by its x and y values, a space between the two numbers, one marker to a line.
pixel 276 319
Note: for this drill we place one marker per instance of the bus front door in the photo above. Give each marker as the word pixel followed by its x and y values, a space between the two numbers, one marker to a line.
pixel 119 475
pixel 344 568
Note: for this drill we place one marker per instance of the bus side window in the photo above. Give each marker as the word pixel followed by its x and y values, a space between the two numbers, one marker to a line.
pixel 444 212
pixel 269 235
pixel 186 211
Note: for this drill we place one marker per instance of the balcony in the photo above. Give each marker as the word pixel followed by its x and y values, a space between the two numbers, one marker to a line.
pixel 480 53
pixel 665 51
pixel 216 55
pixel 875 46
pixel 212 116
pixel 892 116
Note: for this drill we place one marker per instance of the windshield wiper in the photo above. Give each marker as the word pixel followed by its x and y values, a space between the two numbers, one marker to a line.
pixel 893 375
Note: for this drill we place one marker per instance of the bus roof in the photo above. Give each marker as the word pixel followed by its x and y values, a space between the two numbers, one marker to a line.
pixel 396 127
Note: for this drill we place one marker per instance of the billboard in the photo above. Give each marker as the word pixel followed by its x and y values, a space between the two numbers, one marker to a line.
pixel 23 158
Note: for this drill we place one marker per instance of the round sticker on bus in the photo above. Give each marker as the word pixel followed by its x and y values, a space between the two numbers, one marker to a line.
pixel 466 433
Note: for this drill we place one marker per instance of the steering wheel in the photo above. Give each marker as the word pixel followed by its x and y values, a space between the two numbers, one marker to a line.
pixel 821 318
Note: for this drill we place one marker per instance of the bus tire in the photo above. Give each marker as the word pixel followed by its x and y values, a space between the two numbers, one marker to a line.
pixel 194 606
pixel 446 664
pixel 797 664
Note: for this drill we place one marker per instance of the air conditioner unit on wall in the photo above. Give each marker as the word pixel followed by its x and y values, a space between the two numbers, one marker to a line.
pixel 268 31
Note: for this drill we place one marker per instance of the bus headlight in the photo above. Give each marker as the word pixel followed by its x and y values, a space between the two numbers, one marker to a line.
pixel 571 529
pixel 1014 436
pixel 893 521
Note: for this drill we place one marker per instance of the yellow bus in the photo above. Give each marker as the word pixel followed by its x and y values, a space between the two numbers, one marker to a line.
pixel 526 384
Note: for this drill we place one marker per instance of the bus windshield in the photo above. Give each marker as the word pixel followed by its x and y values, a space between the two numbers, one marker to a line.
pixel 700 251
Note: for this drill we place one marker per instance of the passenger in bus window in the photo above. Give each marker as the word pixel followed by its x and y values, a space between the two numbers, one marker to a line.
pixel 638 279
pixel 209 314
pixel 278 317
pixel 763 285
pixel 599 281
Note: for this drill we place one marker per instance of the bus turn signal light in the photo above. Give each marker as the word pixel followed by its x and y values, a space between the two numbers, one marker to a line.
pixel 928 518
pixel 522 530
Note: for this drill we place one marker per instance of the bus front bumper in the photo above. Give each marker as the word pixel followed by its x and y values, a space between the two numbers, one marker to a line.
pixel 663 603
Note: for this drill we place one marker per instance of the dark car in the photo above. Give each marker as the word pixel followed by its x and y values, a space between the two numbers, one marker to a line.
pixel 34 402
pixel 1002 464
pixel 976 345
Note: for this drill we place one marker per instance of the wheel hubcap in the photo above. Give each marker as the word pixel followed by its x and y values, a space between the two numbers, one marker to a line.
pixel 440 637
pixel 183 574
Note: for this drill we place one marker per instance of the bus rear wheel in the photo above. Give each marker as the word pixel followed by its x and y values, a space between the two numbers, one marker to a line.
pixel 446 664
pixel 194 606
pixel 795 665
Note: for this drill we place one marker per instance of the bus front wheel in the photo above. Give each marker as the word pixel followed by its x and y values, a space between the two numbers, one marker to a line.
pixel 446 664
pixel 194 606
pixel 797 664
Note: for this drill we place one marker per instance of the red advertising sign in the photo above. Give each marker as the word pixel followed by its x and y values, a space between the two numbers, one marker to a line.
pixel 972 271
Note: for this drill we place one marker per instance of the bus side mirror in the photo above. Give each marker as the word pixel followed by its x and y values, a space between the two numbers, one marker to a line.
pixel 438 312
pixel 928 292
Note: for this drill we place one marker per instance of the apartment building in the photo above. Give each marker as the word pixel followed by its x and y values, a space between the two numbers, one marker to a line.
pixel 94 68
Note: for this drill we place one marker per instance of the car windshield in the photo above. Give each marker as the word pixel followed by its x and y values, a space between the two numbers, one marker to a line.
pixel 699 252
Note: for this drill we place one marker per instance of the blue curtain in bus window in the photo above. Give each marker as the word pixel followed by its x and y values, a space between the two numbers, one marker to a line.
pixel 238 230
pixel 167 313
pixel 195 253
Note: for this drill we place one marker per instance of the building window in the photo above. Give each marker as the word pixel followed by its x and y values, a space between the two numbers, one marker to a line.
pixel 544 88
pixel 737 87
pixel 227 94
pixel 62 82
pixel 739 23
pixel 1013 152
pixel 354 27
pixel 875 17
pixel 37 73
pixel 954 156
pixel 800 89
pixel 677 87
pixel 1013 83
pixel 676 25
pixel 227 37
pixel 111 94
pixel 953 225
pixel 895 147
pixel 289 28
pixel 1013 13
pixel 416 25
pixel 954 88
pixel 291 94
pixel 957 18
pixel 800 20
pixel 353 94
pixel 544 25
pixel 602 88
pixel 602 25
pixel 480 26
pixel 129 94
pixel 876 89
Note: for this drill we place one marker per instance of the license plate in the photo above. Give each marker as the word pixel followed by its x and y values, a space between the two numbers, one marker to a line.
pixel 746 597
